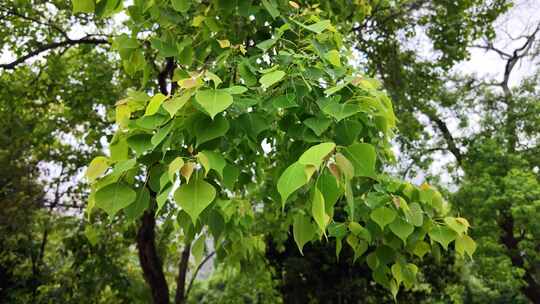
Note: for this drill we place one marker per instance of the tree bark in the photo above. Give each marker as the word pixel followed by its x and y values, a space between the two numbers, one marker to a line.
pixel 150 261
pixel 180 296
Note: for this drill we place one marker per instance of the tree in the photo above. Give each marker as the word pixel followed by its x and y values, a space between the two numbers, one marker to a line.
pixel 232 76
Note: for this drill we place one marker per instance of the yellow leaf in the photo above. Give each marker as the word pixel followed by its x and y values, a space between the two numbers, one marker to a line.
pixel 197 21
pixel 224 43
pixel 294 4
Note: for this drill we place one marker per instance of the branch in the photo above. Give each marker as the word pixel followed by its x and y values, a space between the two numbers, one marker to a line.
pixel 54 45
pixel 194 276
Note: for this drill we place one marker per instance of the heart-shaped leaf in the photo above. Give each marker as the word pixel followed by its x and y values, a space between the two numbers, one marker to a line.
pixel 214 101
pixel 194 197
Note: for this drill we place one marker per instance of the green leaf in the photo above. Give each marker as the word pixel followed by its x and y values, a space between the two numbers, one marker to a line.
pixel 284 101
pixel 137 208
pixel 174 167
pixel 333 57
pixel 318 124
pixel 97 167
pixel 401 228
pixel 140 143
pixel 161 134
pixel 318 210
pixel 236 90
pixel 319 27
pixel 465 244
pixel 315 155
pixel 459 225
pixel 211 160
pixel 230 175
pixel 162 198
pixel 360 231
pixel 176 103
pixel 186 55
pixel 267 80
pixel 207 129
pixel 415 215
pixel 383 216
pixel 294 177
pixel 265 45
pixel 345 166
pixel 194 197
pixel 340 111
pixel 442 235
pixel 328 186
pixel 363 158
pixel 271 7
pixel 198 249
pixel 91 234
pixel 154 104
pixel 303 231
pixel 114 197
pixel 214 101
pixel 181 6
pixel 421 248
pixel 83 6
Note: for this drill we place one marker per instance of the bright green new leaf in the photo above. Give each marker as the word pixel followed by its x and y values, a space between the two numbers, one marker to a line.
pixel 303 231
pixel 333 57
pixel 360 231
pixel 315 155
pixel 383 216
pixel 291 180
pixel 465 244
pixel 198 249
pixel 318 210
pixel 345 166
pixel 211 160
pixel 442 235
pixel 194 197
pixel 401 228
pixel 236 90
pixel 161 134
pixel 214 101
pixel 97 167
pixel 340 111
pixel 320 26
pixel 114 197
pixel 83 6
pixel 268 79
pixel 174 167
pixel 363 158
pixel 421 248
pixel 91 234
pixel 154 104
pixel 459 225
pixel 415 215
pixel 176 103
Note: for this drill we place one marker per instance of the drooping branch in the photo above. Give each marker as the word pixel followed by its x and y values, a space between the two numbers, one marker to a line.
pixel 194 276
pixel 46 47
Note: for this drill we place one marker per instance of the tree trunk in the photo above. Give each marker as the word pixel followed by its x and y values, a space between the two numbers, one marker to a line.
pixel 180 297
pixel 150 261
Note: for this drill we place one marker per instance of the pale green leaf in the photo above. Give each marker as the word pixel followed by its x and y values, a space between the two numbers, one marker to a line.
pixel 401 228
pixel 421 248
pixel 291 180
pixel 214 101
pixel 198 249
pixel 174 167
pixel 194 197
pixel 236 90
pixel 319 27
pixel 360 231
pixel 333 57
pixel 267 80
pixel 114 197
pixel 154 104
pixel 303 231
pixel 465 244
pixel 442 235
pixel 97 167
pixel 211 160
pixel 383 216
pixel 176 103
pixel 363 158
pixel 181 6
pixel 459 225
pixel 315 155
pixel 318 210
